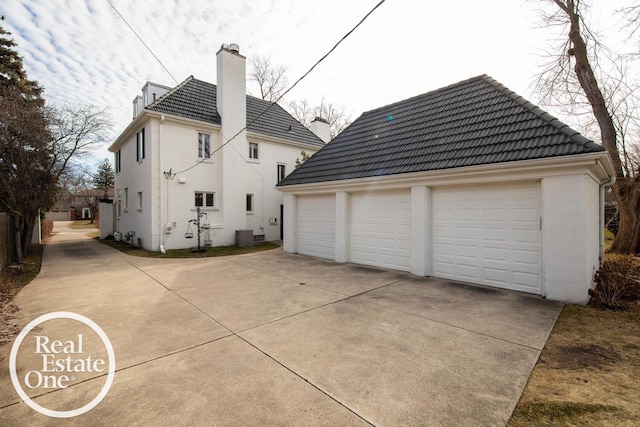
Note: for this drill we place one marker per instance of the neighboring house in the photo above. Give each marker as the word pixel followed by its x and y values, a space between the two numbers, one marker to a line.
pixel 188 148
pixel 470 183
pixel 81 205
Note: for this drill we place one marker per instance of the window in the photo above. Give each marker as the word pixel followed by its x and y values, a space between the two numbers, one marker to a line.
pixel 119 203
pixel 139 200
pixel 126 199
pixel 249 202
pixel 204 199
pixel 117 161
pixel 281 172
pixel 140 145
pixel 253 150
pixel 204 145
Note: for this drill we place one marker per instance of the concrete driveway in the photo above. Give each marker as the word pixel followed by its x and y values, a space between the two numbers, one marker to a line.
pixel 276 339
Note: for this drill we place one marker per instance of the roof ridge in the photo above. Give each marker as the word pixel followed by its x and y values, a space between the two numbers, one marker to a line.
pixel 562 127
pixel 431 92
pixel 171 92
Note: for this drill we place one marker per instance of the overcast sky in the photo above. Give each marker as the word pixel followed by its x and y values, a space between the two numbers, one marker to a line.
pixel 83 52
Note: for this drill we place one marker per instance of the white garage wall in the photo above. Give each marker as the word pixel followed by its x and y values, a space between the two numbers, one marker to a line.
pixel 570 233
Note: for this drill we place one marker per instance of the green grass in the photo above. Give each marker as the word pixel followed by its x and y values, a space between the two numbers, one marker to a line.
pixel 187 253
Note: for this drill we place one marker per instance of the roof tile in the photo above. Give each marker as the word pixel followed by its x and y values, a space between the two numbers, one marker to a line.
pixel 474 122
pixel 196 99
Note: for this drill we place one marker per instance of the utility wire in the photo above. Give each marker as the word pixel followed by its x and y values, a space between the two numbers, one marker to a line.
pixel 288 90
pixel 142 41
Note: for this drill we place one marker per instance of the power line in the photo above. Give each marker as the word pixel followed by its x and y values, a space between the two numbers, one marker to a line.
pixel 142 41
pixel 288 90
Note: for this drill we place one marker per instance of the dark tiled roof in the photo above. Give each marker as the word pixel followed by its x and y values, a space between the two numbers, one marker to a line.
pixel 474 122
pixel 195 99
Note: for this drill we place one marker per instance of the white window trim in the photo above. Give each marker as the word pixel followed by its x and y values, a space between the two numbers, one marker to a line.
pixel 140 145
pixel 284 166
pixel 253 202
pixel 202 158
pixel 204 199
pixel 257 158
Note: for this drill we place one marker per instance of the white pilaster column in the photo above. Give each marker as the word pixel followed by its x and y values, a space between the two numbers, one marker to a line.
pixel 343 229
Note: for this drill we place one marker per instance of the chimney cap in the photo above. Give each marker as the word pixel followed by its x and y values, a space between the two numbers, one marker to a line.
pixel 320 119
pixel 233 47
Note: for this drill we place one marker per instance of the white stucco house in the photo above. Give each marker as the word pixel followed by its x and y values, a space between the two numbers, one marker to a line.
pixel 468 183
pixel 213 147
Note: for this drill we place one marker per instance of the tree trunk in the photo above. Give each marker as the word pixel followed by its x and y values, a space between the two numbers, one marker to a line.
pixel 27 234
pixel 17 228
pixel 627 239
pixel 625 189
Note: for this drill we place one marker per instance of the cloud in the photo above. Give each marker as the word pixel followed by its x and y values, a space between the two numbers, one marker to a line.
pixel 83 52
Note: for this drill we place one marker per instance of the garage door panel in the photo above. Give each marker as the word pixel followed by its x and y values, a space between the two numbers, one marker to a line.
pixel 522 256
pixel 488 234
pixel 316 226
pixel 495 254
pixel 381 229
pixel 494 234
pixel 525 280
pixel 526 236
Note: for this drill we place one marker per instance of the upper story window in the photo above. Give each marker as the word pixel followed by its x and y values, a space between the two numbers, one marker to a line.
pixel 140 145
pixel 253 150
pixel 117 161
pixel 204 145
pixel 281 172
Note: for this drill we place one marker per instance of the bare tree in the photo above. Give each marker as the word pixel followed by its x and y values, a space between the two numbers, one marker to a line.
pixel 336 116
pixel 272 83
pixel 631 17
pixel 270 78
pixel 577 74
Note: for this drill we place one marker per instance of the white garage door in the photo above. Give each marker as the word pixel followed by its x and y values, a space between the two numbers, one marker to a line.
pixel 316 226
pixel 381 229
pixel 488 234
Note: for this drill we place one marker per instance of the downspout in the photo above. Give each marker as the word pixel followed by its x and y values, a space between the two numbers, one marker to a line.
pixel 162 250
pixel 607 183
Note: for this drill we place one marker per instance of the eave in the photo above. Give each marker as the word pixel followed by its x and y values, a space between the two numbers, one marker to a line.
pixel 597 165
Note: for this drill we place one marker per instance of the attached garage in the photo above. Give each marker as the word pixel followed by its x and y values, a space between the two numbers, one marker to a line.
pixel 381 229
pixel 489 234
pixel 316 226
pixel 469 183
